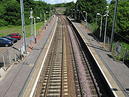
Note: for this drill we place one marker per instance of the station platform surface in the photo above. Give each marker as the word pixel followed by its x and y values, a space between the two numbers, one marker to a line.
pixel 116 73
pixel 18 75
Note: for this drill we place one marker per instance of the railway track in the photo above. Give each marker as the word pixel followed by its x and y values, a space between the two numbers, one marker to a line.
pixel 66 73
pixel 52 85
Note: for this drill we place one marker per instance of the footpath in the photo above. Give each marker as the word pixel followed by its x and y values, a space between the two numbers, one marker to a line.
pixel 115 72
pixel 14 82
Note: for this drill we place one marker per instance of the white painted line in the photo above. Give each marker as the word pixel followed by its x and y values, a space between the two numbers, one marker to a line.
pixel 34 87
pixel 99 65
pixel 103 73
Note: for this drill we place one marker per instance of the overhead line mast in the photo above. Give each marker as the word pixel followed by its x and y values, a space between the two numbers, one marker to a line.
pixel 23 26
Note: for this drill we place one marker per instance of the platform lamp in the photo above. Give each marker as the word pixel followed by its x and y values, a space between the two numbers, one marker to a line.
pixel 74 14
pixel 35 31
pixel 85 16
pixel 105 31
pixel 31 23
pixel 75 9
pixel 101 23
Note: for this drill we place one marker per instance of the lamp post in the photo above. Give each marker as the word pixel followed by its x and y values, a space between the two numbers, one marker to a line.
pixel 23 26
pixel 105 31
pixel 31 23
pixel 96 18
pixel 85 16
pixel 44 16
pixel 35 32
pixel 71 13
pixel 113 25
pixel 74 13
pixel 76 9
pixel 101 23
pixel 78 12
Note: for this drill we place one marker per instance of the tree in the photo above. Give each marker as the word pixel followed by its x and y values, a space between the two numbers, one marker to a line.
pixel 12 14
pixel 91 7
pixel 122 21
pixel 69 6
pixel 10 11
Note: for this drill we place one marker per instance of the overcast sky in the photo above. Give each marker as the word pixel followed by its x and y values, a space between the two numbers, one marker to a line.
pixel 60 1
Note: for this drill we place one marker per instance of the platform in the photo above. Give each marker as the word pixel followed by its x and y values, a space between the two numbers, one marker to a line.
pixel 19 75
pixel 116 73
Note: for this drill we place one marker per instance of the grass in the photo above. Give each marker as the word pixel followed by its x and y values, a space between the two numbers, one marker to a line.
pixel 17 29
pixel 92 26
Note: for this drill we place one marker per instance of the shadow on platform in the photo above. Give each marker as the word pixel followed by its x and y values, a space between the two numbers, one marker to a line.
pixel 126 63
pixel 97 39
pixel 1 64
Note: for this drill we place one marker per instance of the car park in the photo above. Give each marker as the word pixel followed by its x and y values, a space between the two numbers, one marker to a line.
pixel 14 40
pixel 15 35
pixel 5 42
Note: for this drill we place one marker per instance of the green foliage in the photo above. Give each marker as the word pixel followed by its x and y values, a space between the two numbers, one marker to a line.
pixel 12 14
pixel 3 22
pixel 2 10
pixel 122 20
pixel 90 6
pixel 10 11
pixel 69 8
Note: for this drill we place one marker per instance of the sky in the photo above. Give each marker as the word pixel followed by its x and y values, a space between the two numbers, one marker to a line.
pixel 58 1
pixel 61 1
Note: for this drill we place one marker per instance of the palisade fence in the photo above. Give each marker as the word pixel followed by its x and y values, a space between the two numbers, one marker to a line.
pixel 9 56
pixel 119 52
pixel 12 54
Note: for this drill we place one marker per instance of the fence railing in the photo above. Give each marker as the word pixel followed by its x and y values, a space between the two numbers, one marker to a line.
pixel 9 56
pixel 119 52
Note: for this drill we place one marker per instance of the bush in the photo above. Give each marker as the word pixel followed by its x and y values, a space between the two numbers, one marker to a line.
pixel 3 22
pixel 93 27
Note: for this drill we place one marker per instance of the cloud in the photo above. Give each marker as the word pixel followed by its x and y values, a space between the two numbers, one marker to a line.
pixel 58 1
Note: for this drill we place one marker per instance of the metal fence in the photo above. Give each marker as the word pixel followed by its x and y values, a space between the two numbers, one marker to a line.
pixel 119 52
pixel 9 56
